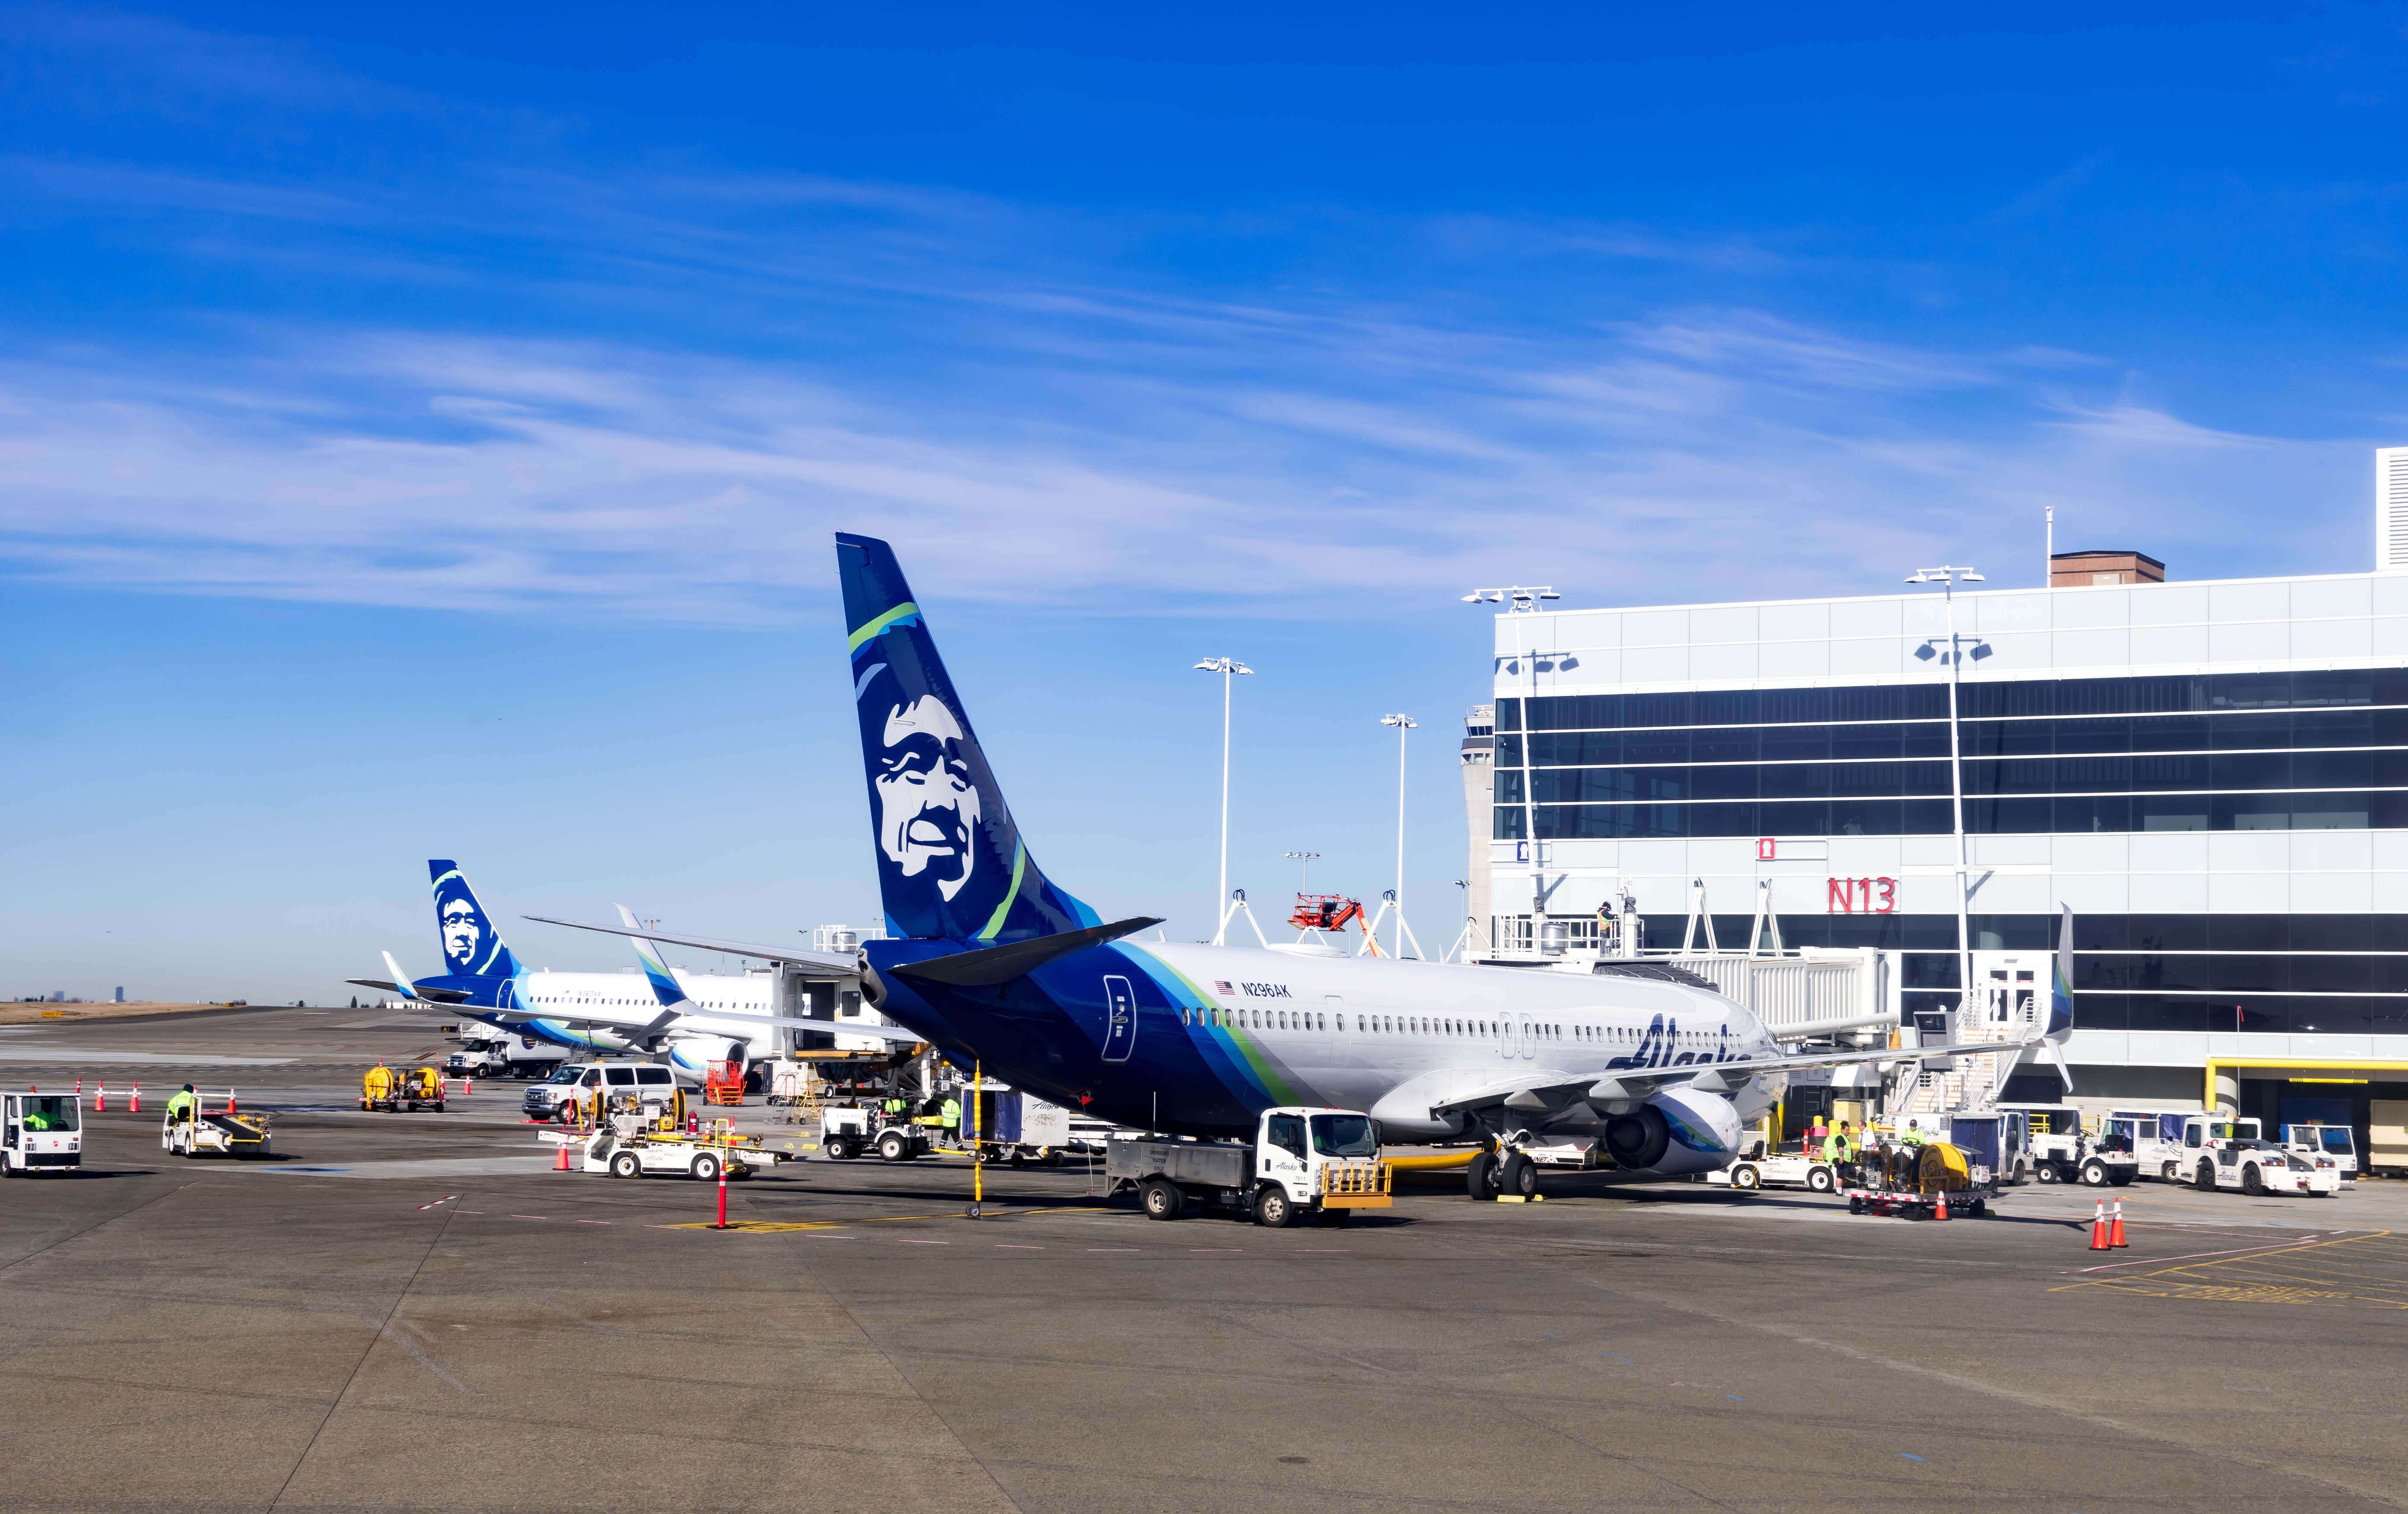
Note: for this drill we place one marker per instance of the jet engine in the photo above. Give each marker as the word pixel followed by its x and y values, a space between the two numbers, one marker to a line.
pixel 1677 1132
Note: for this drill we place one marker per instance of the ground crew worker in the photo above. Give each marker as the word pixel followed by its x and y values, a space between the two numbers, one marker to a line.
pixel 36 1120
pixel 1911 1135
pixel 952 1113
pixel 1835 1146
pixel 179 1106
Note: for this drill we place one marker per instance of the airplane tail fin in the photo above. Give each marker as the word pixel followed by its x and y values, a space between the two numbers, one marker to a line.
pixel 472 943
pixel 952 865
pixel 666 986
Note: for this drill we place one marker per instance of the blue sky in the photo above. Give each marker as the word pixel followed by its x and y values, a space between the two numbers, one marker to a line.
pixel 420 434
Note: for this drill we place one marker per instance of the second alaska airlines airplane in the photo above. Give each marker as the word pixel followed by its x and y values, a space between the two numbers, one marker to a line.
pixel 691 1018
pixel 991 961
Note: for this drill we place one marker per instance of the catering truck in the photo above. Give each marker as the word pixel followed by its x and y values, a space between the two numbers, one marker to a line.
pixel 1302 1161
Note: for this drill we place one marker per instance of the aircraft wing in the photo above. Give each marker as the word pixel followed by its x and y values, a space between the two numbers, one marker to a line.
pixel 643 1026
pixel 831 961
pixel 1554 1089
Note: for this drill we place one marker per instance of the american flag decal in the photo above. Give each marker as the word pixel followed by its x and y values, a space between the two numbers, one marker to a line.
pixel 1220 985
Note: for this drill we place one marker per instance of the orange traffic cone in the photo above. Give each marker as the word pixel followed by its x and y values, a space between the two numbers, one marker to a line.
pixel 100 1101
pixel 78 1088
pixel 564 1158
pixel 229 1101
pixel 468 1084
pixel 2116 1228
pixel 2099 1241
pixel 136 1106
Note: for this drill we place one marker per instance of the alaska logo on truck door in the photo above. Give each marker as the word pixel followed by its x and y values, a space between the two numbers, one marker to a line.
pixel 1119 1019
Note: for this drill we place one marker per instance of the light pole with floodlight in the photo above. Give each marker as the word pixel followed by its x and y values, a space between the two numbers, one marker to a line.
pixel 1228 667
pixel 1403 724
pixel 1519 600
pixel 1948 578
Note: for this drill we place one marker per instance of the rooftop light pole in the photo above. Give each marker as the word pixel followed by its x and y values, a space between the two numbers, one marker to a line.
pixel 1303 861
pixel 1403 724
pixel 1519 599
pixel 1228 667
pixel 1948 578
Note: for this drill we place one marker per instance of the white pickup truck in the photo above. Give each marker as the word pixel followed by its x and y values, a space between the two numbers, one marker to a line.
pixel 1302 1161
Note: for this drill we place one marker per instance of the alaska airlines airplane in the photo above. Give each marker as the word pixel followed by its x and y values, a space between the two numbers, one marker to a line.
pixel 691 1018
pixel 991 961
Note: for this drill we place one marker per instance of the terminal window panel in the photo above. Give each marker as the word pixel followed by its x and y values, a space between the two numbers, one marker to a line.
pixel 2333 690
pixel 2342 974
pixel 2298 750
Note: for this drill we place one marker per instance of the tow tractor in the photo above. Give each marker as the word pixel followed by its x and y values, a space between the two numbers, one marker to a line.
pixel 1920 1181
pixel 2059 1152
pixel 853 1131
pixel 2258 1167
pixel 632 1146
pixel 1302 1161
pixel 40 1133
pixel 392 1089
pixel 197 1129
pixel 1761 1166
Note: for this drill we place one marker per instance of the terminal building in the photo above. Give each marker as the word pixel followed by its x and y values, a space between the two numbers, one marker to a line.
pixel 2211 776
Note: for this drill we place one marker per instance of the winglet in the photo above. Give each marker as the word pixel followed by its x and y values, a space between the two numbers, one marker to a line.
pixel 400 979
pixel 666 986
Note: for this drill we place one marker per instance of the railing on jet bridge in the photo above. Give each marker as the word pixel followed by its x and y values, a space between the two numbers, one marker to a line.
pixel 1795 989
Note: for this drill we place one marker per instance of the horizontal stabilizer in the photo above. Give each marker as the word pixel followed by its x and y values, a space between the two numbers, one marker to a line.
pixel 831 961
pixel 991 965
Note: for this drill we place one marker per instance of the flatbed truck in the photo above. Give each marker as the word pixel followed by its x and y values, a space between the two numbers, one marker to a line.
pixel 1302 1161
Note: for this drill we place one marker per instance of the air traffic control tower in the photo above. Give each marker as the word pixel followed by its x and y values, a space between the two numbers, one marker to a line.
pixel 2213 774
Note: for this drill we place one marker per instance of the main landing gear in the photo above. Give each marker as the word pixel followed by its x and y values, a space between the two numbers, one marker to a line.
pixel 1500 1172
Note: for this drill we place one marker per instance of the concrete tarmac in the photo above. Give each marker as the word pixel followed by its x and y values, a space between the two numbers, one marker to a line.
pixel 407 1311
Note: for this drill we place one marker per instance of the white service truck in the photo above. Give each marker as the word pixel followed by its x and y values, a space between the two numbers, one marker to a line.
pixel 2057 1150
pixel 40 1133
pixel 2153 1136
pixel 1302 1161
pixel 2336 1143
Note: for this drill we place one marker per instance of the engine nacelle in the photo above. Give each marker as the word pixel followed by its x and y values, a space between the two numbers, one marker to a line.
pixel 1676 1132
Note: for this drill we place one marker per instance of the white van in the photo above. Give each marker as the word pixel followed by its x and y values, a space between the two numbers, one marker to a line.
pixel 652 1086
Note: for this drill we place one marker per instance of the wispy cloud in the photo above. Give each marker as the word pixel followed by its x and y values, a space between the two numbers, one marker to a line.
pixel 654 393
pixel 481 473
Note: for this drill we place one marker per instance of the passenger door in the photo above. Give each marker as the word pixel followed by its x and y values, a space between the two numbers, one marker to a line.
pixel 1119 1019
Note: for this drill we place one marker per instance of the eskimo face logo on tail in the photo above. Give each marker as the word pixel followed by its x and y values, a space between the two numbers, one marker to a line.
pixel 927 801
pixel 468 939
